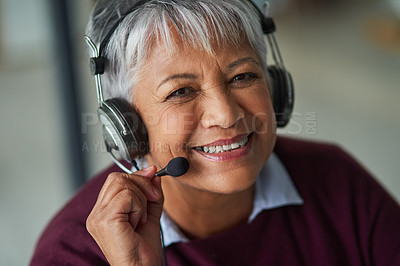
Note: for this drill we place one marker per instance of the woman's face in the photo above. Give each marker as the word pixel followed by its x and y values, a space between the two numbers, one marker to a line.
pixel 213 109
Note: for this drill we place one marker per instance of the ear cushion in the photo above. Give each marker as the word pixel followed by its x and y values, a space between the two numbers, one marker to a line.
pixel 132 118
pixel 283 94
pixel 123 129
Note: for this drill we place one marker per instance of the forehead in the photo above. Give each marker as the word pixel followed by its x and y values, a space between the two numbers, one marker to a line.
pixel 181 57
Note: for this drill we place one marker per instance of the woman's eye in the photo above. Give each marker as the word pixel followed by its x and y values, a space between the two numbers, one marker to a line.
pixel 181 93
pixel 244 79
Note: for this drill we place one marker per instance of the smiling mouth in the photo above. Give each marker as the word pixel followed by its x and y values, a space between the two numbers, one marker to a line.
pixel 224 148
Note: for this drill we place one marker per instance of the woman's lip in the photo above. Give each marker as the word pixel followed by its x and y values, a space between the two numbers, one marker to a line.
pixel 226 141
pixel 228 155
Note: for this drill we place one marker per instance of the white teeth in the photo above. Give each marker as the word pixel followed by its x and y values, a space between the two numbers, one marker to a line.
pixel 235 145
pixel 242 142
pixel 217 149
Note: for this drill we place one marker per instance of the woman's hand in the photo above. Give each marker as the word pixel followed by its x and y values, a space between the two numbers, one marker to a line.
pixel 125 221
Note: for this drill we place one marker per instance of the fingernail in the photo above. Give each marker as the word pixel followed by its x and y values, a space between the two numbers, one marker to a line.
pixel 147 171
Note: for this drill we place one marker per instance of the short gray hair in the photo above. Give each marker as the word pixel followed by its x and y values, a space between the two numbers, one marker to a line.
pixel 200 24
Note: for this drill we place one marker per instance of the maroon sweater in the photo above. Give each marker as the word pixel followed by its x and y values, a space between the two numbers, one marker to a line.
pixel 346 219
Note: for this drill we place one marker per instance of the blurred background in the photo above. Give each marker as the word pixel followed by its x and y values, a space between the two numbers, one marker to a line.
pixel 344 57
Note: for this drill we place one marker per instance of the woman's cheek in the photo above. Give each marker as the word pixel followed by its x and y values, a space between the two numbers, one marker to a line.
pixel 172 132
pixel 264 123
pixel 260 114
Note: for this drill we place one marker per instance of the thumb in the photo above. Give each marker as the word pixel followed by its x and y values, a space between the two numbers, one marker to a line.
pixel 147 172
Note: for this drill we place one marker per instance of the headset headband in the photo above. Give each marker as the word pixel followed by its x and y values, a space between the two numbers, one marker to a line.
pixel 97 67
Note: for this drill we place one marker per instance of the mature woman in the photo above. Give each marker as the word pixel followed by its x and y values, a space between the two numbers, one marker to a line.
pixel 196 73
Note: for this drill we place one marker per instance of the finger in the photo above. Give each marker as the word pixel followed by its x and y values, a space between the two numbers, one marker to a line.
pixel 117 183
pixel 147 172
pixel 140 181
pixel 125 207
pixel 109 181
pixel 152 193
pixel 115 214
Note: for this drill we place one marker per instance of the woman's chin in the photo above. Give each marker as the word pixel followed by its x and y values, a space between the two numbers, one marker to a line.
pixel 224 182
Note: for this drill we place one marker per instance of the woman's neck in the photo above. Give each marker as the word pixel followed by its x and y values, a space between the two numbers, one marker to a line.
pixel 200 214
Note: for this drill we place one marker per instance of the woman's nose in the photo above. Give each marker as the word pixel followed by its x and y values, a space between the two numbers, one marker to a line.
pixel 221 110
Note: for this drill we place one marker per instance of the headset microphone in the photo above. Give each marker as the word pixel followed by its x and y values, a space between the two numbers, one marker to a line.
pixel 176 167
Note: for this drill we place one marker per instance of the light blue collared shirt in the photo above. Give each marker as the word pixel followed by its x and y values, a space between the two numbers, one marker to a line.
pixel 273 188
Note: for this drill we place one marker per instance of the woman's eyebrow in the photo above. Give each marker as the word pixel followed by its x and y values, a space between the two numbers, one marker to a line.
pixel 240 61
pixel 229 68
pixel 177 76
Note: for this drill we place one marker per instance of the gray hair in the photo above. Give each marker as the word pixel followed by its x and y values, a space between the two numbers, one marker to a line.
pixel 201 24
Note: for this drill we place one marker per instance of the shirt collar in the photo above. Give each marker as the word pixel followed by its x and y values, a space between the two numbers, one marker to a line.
pixel 273 188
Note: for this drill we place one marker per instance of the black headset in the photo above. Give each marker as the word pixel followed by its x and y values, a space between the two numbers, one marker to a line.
pixel 124 130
